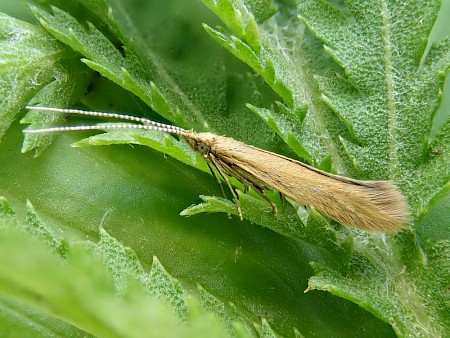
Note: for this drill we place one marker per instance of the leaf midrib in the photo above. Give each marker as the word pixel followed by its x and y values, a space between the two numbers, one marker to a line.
pixel 390 100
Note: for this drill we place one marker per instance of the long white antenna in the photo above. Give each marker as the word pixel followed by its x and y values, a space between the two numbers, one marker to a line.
pixel 147 124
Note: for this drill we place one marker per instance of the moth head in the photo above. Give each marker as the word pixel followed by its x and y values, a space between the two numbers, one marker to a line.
pixel 200 142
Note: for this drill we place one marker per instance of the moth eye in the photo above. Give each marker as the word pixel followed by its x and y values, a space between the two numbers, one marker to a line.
pixel 202 148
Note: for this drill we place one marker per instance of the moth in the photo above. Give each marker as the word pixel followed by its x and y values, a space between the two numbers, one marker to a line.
pixel 368 205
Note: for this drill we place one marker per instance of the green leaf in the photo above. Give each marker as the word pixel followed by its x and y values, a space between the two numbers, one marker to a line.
pixel 381 99
pixel 435 222
pixel 288 60
pixel 315 232
pixel 421 285
pixel 141 77
pixel 151 69
pixel 7 215
pixel 167 144
pixel 33 62
pixel 107 295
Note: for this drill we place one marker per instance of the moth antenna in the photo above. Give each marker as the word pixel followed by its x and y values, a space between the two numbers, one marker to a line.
pixel 107 126
pixel 105 115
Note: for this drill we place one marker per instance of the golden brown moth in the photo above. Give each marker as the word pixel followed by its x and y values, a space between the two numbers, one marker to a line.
pixel 368 205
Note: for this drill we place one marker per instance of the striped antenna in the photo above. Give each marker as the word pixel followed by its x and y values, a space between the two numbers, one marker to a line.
pixel 147 124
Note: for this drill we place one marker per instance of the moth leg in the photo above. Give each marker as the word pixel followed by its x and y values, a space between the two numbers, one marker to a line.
pixel 218 165
pixel 262 193
pixel 218 181
pixel 216 178
pixel 283 199
pixel 251 181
